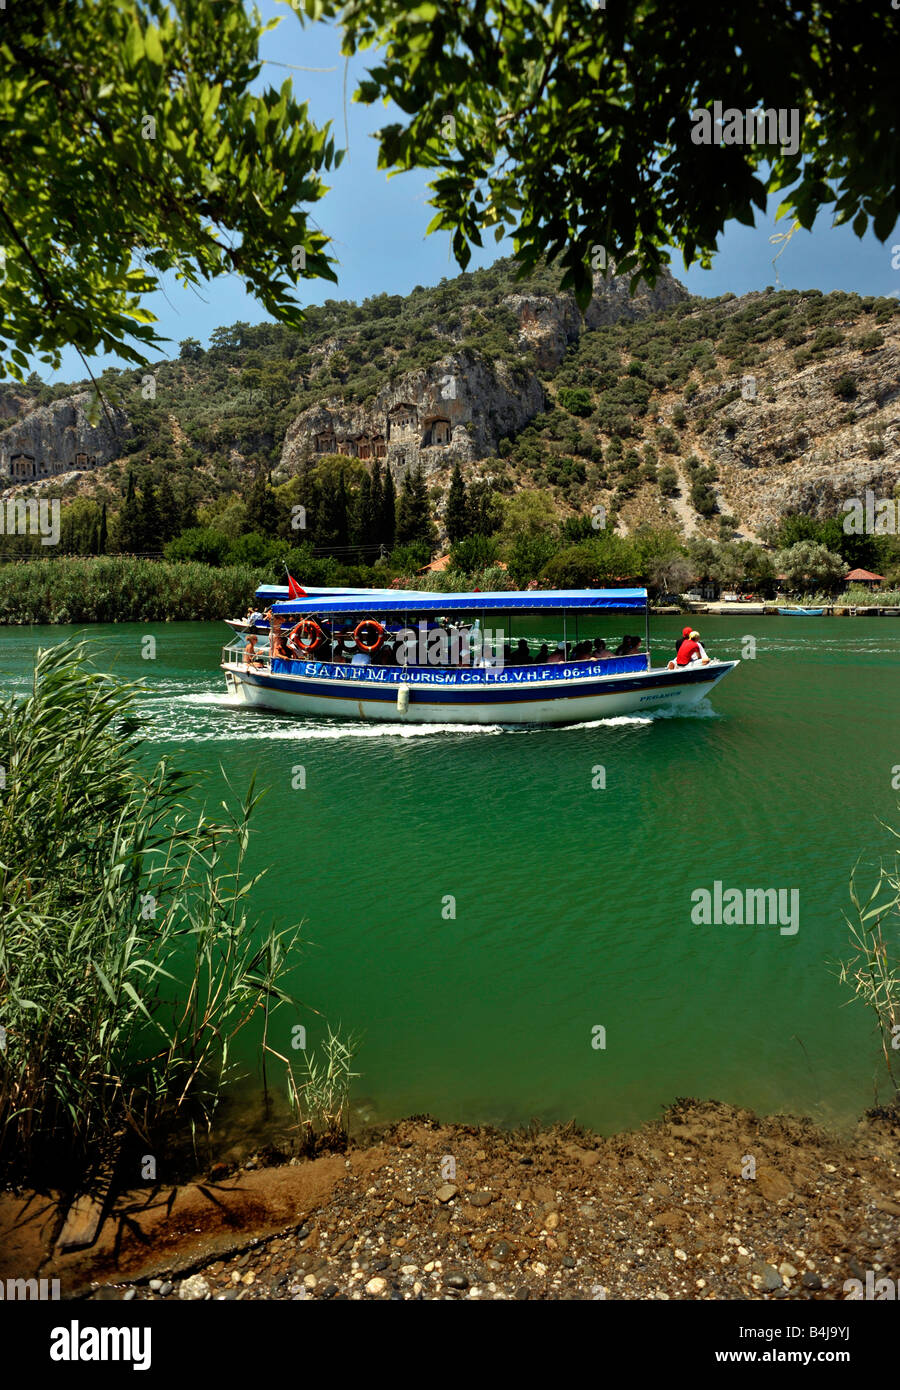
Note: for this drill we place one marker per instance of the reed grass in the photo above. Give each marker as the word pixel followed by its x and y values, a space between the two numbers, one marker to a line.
pixel 873 971
pixel 123 589
pixel 130 958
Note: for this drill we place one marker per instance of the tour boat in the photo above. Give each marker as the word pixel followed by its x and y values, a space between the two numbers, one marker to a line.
pixel 470 658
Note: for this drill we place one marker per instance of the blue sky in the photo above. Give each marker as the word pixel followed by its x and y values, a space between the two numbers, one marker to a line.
pixel 378 224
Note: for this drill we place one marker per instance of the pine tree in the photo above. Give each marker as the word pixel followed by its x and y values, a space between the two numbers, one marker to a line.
pixel 456 517
pixel 388 528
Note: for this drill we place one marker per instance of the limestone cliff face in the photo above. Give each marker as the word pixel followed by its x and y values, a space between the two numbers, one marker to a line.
pixel 59 438
pixel 460 408
pixel 548 324
pixel 790 443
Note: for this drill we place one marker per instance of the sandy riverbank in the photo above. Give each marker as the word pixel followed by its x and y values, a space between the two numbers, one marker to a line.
pixel 432 1211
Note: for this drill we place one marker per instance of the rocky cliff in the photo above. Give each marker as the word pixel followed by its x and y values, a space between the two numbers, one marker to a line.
pixel 465 404
pixel 458 409
pixel 549 324
pixel 60 438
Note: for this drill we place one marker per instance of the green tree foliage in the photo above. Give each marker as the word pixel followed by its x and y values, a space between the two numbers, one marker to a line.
pixel 262 506
pixel 141 147
pixel 808 565
pixel 529 86
pixel 456 518
pixel 129 521
pixel 414 522
pixel 388 530
pixel 473 553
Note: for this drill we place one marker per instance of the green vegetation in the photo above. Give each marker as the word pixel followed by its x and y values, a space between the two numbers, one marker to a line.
pixel 155 102
pixel 129 961
pixel 873 971
pixel 504 100
pixel 122 590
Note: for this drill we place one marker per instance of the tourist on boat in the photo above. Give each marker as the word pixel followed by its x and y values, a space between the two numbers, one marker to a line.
pixel 557 656
pixel 251 655
pixel 601 652
pixel 361 658
pixel 543 655
pixel 276 639
pixel 690 650
pixel 522 654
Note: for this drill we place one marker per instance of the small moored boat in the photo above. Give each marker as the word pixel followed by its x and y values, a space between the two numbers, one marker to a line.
pixel 494 658
pixel 801 612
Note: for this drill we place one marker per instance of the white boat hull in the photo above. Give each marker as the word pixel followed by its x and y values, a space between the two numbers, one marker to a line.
pixel 578 693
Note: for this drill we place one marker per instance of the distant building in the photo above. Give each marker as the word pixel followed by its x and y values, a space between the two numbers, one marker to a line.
pixel 865 578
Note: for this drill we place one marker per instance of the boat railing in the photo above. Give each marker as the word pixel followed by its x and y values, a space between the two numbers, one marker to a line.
pixel 233 655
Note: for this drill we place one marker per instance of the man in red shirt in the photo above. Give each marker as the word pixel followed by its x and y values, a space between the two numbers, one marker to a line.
pixel 690 649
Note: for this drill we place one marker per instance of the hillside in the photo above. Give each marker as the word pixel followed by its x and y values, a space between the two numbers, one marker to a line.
pixel 710 417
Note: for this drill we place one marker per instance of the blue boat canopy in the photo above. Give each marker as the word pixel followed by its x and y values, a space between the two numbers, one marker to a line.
pixel 268 594
pixel 397 601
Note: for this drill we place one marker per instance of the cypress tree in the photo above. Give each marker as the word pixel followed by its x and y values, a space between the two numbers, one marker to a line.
pixel 331 514
pixel 342 513
pixel 457 520
pixel 262 506
pixel 169 524
pixel 364 515
pixel 150 522
pixel 187 512
pixel 413 514
pixel 377 503
pixel 129 520
pixel 388 529
pixel 102 538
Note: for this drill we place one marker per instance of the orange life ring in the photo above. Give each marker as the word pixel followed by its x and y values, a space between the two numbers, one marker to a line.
pixel 305 630
pixel 379 635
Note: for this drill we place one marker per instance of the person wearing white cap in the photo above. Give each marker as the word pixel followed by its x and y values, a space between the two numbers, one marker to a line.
pixel 690 651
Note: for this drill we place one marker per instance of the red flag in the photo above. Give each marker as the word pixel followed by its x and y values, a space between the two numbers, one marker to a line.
pixel 294 590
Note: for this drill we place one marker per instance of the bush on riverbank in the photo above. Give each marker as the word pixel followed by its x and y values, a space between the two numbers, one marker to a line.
pixel 122 589
pixel 129 960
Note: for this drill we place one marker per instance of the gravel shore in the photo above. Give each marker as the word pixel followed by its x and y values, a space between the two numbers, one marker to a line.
pixel 711 1202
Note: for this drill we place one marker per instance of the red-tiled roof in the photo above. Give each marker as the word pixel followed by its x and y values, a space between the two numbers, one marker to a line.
pixel 436 566
pixel 862 574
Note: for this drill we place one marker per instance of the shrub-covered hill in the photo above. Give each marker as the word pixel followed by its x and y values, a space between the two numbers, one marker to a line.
pixel 712 417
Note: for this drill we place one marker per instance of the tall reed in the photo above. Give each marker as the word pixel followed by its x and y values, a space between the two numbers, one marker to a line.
pixel 122 589
pixel 130 959
pixel 873 971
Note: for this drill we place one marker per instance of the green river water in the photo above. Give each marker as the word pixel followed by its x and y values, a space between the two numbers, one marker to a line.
pixel 572 901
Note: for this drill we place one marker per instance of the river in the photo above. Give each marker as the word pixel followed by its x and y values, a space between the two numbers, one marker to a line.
pixel 510 938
